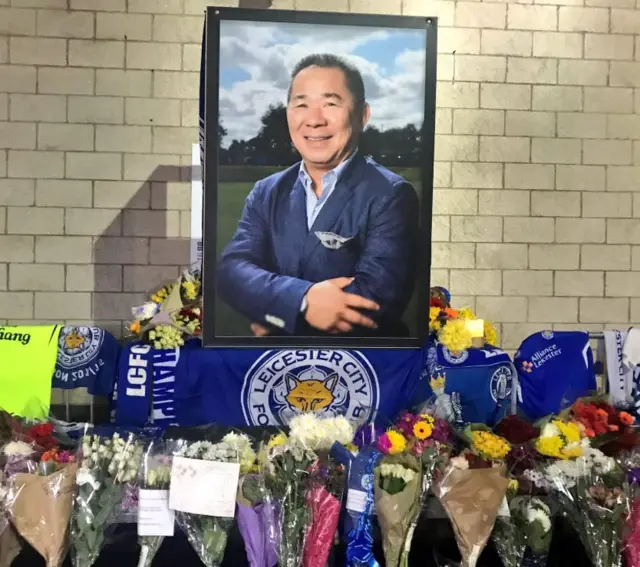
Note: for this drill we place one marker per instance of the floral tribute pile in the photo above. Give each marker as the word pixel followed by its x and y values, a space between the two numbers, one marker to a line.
pixel 293 494
pixel 172 315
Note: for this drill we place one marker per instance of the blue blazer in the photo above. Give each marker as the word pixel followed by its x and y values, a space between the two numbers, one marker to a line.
pixel 273 259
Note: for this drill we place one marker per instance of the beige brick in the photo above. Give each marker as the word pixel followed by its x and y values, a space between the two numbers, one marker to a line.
pixel 151 223
pixel 4 50
pixel 63 193
pixel 625 126
pixel 96 53
pixel 578 125
pixel 3 163
pixel 611 3
pixel 460 41
pixel 498 42
pixel 355 6
pixel 144 278
pixel 605 257
pixel 458 95
pixel 59 23
pixel 502 309
pixel 553 310
pixel 555 204
pixel 96 109
pixel 154 56
pixel 554 256
pixel 121 195
pixel 583 72
pixel 557 98
pixel 480 68
pixel 15 21
pixel 601 46
pixel 504 149
pixel 180 140
pixel 635 258
pixel 197 7
pixel 442 174
pixel 37 51
pixel 99 5
pixel 636 205
pixel 33 220
pixel 17 192
pixel 604 310
pixel 140 167
pixel 4 106
pixel 171 252
pixel 16 304
pixel 579 284
pixel 527 282
pixel 93 222
pixel 32 164
pixel 580 177
pixel 478 121
pixel 444 120
pixel 115 305
pixel 191 53
pixel 534 71
pixel 503 202
pixel 123 139
pixel 117 250
pixel 118 82
pixel 475 282
pixel 501 256
pixel 94 278
pixel 477 175
pixel 607 152
pixel 17 135
pixel 514 333
pixel 3 277
pixel 445 201
pixel 515 97
pixel 625 21
pixel 552 44
pixel 178 29
pixel 176 84
pixel 68 80
pixel 525 123
pixel 525 17
pixel 156 6
pixel 621 231
pixel 123 26
pixel 445 67
pixel 604 99
pixel 63 305
pixel 456 148
pixel 623 178
pixel 528 176
pixel 474 15
pixel 584 19
pixel 14 248
pixel 555 150
pixel 36 277
pixel 39 3
pixel 635 310
pixel 527 229
pixel 621 284
pixel 38 108
pixel 65 137
pixel 451 255
pixel 152 112
pixel 624 74
pixel 84 165
pixel 62 249
pixel 476 229
pixel 606 205
pixel 443 10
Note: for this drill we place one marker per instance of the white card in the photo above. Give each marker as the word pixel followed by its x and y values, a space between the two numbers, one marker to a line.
pixel 356 500
pixel 503 511
pixel 204 487
pixel 155 518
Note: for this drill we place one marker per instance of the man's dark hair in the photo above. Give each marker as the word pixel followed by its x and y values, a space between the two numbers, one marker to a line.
pixel 352 76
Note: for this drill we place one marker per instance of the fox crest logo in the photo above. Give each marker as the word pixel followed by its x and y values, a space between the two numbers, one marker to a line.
pixel 78 346
pixel 285 383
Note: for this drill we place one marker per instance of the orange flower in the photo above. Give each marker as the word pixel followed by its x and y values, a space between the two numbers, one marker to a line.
pixel 626 418
pixel 589 432
pixel 601 413
pixel 451 313
pixel 135 327
pixel 614 428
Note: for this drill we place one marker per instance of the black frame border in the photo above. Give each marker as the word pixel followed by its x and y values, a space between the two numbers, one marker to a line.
pixel 214 16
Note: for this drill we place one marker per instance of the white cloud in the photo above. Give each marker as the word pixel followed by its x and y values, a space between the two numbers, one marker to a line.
pixel 268 52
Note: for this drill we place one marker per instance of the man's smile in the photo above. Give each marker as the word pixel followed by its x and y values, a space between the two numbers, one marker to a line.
pixel 317 138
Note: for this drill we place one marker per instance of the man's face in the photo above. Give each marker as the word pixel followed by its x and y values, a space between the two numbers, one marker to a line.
pixel 321 114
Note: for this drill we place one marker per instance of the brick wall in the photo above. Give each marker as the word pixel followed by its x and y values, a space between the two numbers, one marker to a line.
pixel 537 197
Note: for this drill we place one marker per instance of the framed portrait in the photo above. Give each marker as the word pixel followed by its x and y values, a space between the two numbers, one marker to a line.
pixel 318 178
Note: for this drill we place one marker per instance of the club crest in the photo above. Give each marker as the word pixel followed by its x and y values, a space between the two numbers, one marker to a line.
pixel 78 346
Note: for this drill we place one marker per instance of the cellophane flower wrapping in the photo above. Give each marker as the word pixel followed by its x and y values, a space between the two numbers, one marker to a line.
pixel 109 466
pixel 208 535
pixel 630 463
pixel 155 475
pixel 590 494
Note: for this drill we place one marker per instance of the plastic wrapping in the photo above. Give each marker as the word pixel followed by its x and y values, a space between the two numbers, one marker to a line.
pixel 109 466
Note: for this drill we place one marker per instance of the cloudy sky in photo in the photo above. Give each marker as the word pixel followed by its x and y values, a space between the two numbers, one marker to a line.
pixel 256 60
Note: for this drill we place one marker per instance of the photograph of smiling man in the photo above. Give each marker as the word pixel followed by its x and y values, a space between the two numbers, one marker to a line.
pixel 327 239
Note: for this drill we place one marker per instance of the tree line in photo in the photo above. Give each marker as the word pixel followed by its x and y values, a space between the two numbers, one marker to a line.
pixel 272 145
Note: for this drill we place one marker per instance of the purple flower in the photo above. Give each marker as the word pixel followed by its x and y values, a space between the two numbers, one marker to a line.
pixel 441 431
pixel 64 457
pixel 633 476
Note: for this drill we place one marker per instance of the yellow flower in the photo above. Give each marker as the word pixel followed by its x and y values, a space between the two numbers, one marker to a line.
pixel 422 429
pixel 490 334
pixel 398 442
pixel 191 289
pixel 466 313
pixel 277 440
pixel 571 453
pixel 513 485
pixel 428 418
pixel 490 445
pixel 352 448
pixel 434 323
pixel 570 431
pixel 549 446
pixel 455 336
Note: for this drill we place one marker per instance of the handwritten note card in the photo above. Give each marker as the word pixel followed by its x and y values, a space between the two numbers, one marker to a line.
pixel 204 487
pixel 356 500
pixel 155 518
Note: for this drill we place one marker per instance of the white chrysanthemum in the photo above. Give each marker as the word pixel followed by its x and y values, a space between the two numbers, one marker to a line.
pixel 242 445
pixel 459 462
pixel 18 449
pixel 84 476
pixel 549 430
pixel 538 515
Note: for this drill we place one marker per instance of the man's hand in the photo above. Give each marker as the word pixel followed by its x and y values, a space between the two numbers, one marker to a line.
pixel 259 331
pixel 332 309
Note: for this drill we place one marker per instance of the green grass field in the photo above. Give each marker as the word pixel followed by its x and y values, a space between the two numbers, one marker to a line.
pixel 234 186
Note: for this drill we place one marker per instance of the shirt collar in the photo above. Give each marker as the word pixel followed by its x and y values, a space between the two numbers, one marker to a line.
pixel 337 171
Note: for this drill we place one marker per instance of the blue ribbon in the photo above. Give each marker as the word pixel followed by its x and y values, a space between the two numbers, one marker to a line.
pixel 360 539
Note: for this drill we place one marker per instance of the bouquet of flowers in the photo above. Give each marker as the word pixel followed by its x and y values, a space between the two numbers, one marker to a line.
pixel 561 439
pixel 288 467
pixel 155 478
pixel 630 464
pixel 108 465
pixel 206 523
pixel 173 314
pixel 472 488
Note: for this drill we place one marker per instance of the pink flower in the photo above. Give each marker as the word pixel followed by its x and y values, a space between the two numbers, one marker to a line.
pixel 417 449
pixel 384 443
